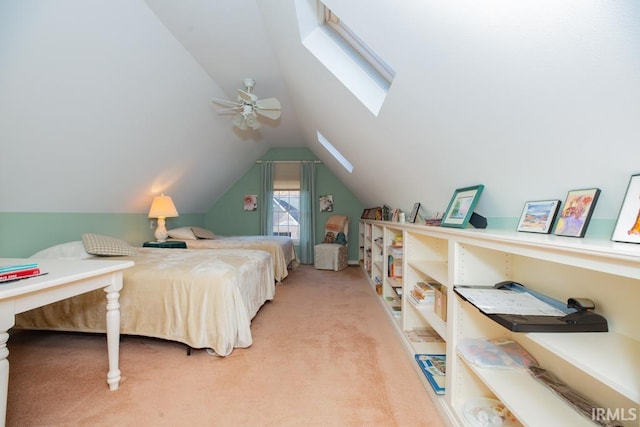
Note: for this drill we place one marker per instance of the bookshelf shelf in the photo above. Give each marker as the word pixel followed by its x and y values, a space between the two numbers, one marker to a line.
pixel 581 350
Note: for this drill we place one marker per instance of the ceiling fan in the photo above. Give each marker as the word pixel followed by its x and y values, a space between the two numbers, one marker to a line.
pixel 249 106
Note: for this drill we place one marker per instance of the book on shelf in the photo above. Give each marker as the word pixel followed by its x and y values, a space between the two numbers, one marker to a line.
pixel 422 294
pixel 433 366
pixel 423 335
pixel 19 274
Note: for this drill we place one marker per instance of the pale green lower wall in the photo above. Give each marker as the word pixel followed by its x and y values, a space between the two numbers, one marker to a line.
pixel 23 234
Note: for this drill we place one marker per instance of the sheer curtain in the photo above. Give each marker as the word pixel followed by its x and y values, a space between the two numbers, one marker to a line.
pixel 307 211
pixel 265 199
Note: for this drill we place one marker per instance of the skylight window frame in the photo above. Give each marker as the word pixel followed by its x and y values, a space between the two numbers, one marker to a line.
pixel 372 62
pixel 334 152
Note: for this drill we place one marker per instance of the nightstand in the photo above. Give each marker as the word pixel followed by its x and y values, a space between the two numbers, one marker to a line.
pixel 170 244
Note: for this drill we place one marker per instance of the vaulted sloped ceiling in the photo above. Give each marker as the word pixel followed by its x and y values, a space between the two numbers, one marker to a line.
pixel 105 103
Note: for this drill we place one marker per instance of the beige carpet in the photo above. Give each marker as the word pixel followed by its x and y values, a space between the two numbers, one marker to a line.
pixel 324 354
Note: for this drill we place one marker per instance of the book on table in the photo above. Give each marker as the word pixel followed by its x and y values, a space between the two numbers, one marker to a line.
pixel 16 267
pixel 433 366
pixel 10 273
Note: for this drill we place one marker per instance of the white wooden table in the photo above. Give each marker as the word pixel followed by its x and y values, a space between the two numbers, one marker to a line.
pixel 64 279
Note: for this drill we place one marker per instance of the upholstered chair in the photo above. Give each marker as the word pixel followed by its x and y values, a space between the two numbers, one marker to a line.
pixel 331 254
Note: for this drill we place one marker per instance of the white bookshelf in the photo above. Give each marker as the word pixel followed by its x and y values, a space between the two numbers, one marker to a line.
pixel 603 366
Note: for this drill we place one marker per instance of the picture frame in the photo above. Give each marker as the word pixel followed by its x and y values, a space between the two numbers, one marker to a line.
pixel 414 213
pixel 395 215
pixel 326 203
pixel 461 206
pixel 627 228
pixel 538 216
pixel 250 202
pixel 576 212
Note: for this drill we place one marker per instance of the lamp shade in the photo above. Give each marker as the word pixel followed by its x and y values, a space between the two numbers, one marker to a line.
pixel 162 207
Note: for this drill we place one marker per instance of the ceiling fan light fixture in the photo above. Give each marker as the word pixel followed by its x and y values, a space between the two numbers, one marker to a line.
pixel 239 121
pixel 249 106
pixel 252 121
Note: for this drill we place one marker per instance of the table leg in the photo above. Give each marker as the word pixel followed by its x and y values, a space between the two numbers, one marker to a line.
pixel 113 335
pixel 4 375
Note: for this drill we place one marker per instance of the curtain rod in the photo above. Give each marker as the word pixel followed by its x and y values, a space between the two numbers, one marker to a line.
pixel 287 161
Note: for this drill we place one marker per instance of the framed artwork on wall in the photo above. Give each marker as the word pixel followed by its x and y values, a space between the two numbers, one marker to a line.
pixel 576 212
pixel 538 216
pixel 326 203
pixel 250 202
pixel 627 227
pixel 461 206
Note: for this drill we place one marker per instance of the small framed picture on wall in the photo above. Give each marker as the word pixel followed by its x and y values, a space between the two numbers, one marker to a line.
pixel 250 202
pixel 326 203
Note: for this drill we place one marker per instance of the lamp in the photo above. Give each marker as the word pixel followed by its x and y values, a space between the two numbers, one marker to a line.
pixel 162 207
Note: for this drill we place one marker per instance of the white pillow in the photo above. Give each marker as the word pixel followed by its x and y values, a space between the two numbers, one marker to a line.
pixel 182 233
pixel 70 250
pixel 203 233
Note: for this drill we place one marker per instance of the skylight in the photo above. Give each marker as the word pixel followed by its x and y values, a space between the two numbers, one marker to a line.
pixel 344 53
pixel 357 48
pixel 335 153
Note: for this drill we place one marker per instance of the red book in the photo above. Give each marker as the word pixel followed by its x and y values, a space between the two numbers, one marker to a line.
pixel 20 274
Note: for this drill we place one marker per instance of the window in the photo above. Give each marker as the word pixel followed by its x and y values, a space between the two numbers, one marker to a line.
pixel 375 67
pixel 344 53
pixel 335 153
pixel 286 200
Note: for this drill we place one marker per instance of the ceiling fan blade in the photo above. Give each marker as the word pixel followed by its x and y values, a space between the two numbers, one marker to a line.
pixel 225 101
pixel 246 96
pixel 271 114
pixel 268 104
pixel 229 109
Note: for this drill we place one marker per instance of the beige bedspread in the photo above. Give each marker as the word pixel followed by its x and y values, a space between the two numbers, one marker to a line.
pixel 281 249
pixel 205 299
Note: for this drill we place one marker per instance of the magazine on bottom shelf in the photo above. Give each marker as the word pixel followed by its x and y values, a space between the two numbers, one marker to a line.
pixel 433 367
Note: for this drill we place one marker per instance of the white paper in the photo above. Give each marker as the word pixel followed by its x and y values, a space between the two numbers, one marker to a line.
pixel 502 301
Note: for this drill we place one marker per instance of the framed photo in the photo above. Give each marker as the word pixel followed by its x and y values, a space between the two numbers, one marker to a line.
pixel 576 212
pixel 538 216
pixel 414 213
pixel 326 203
pixel 250 202
pixel 627 227
pixel 461 206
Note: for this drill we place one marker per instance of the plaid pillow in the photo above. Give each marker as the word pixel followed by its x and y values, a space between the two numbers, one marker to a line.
pixel 97 244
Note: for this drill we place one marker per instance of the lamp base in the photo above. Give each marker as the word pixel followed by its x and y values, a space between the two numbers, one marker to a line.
pixel 161 231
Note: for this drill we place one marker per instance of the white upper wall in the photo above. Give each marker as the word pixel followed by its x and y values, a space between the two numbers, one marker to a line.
pixel 531 100
pixel 101 108
pixel 100 101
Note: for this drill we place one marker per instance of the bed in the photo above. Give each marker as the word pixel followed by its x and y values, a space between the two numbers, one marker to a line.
pixel 281 248
pixel 204 299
